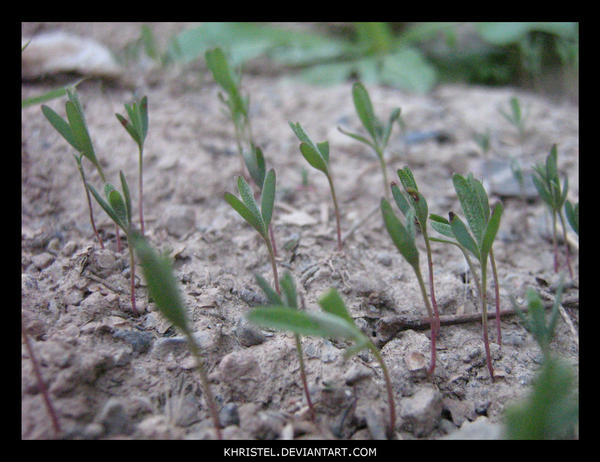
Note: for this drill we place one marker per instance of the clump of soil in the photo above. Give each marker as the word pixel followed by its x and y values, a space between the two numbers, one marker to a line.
pixel 111 374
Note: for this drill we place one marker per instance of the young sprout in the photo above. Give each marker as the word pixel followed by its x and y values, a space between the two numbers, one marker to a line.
pixel 74 131
pixel 415 200
pixel 259 219
pixel 546 180
pixel 289 300
pixel 317 155
pixel 334 321
pixel 535 319
pixel 572 213
pixel 477 239
pixel 379 134
pixel 137 127
pixel 162 287
pixel 483 141
pixel 236 104
pixel 403 238
pixel 118 208
pixel 515 117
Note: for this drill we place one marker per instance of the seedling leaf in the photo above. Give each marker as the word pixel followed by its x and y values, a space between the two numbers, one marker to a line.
pixel 272 296
pixel 60 126
pixel 364 109
pixel 313 157
pixel 245 212
pixel 462 235
pixel 401 237
pixel 248 198
pixel 490 231
pixel 332 303
pixel 289 291
pixel 268 197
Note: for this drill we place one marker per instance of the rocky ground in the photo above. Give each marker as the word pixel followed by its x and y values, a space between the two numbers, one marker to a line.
pixel 111 374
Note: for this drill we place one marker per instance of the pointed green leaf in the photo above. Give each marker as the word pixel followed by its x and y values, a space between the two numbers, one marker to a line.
pixel 407 178
pixel 61 126
pixel 477 187
pixel 572 213
pixel 244 212
pixel 332 303
pixel 289 290
pixel 248 198
pixel 441 225
pixel 129 127
pixel 268 197
pixel 491 231
pixel 462 235
pixel 364 109
pixel 313 157
pixel 272 296
pixel 395 115
pixel 115 199
pixel 80 132
pixel 105 206
pixel 127 195
pixel 161 282
pixel 319 324
pixel 255 162
pixel 399 198
pixel 323 148
pixel 400 235
pixel 471 205
pixel 357 137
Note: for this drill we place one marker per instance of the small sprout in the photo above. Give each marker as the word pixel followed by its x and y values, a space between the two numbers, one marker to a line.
pixel 163 289
pixel 74 131
pixel 289 300
pixel 483 141
pixel 535 320
pixel 403 238
pixel 317 155
pixel 378 132
pixel 551 411
pixel 417 202
pixel 118 208
pixel 546 181
pixel 334 321
pixel 478 239
pixel 572 213
pixel 515 117
pixel 259 219
pixel 237 105
pixel 137 127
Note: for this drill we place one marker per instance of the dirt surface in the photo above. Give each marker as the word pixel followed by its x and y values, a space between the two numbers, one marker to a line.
pixel 115 375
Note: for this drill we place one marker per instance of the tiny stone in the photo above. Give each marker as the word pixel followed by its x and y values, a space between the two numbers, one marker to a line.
pixel 247 334
pixel 114 418
pixel 229 415
pixel 357 373
pixel 69 248
pixel 43 260
pixel 422 411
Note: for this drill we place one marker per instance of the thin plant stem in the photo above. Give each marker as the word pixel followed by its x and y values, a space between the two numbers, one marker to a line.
pixel 432 321
pixel 484 318
pixel 497 291
pixel 562 222
pixel 384 170
pixel 132 276
pixel 337 212
pixel 140 188
pixel 272 236
pixel 431 285
pixel 303 376
pixel 41 383
pixel 554 242
pixel 89 201
pixel 273 265
pixel 390 391
pixel 205 384
pixel 118 238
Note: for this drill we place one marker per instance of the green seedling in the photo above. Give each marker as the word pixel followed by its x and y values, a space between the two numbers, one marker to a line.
pixel 515 116
pixel 162 287
pixel 74 131
pixel 478 240
pixel 378 132
pixel 236 104
pixel 572 213
pixel 535 319
pixel 483 141
pixel 317 155
pixel 551 411
pixel 334 321
pixel 403 238
pixel 289 300
pixel 118 208
pixel 412 198
pixel 259 219
pixel 546 181
pixel 137 127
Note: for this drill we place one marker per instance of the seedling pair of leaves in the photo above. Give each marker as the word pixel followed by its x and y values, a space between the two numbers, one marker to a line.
pixel 414 207
pixel 476 239
pixel 118 208
pixel 74 131
pixel 163 289
pixel 333 322
pixel 258 218
pixel 379 132
pixel 289 300
pixel 317 155
pixel 237 105
pixel 137 127
pixel 547 182
pixel 515 116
